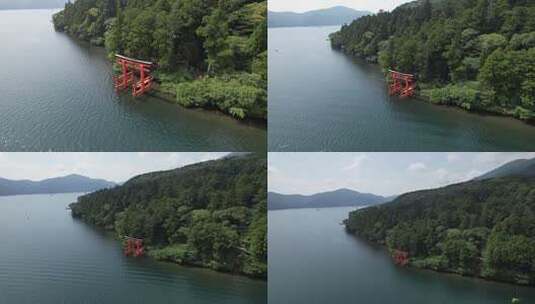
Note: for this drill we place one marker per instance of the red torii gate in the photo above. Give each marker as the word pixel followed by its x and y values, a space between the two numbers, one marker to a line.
pixel 133 247
pixel 126 78
pixel 400 257
pixel 401 84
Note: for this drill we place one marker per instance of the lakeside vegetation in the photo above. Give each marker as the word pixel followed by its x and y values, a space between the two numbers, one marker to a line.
pixel 483 228
pixel 475 54
pixel 210 53
pixel 211 214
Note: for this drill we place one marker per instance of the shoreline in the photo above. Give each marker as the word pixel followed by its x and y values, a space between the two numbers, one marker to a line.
pixel 411 265
pixel 480 112
pixel 250 122
pixel 503 113
pixel 200 266
pixel 155 92
pixel 113 235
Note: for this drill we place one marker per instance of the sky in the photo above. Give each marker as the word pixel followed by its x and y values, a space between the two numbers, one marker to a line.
pixel 308 5
pixel 17 4
pixel 379 173
pixel 116 167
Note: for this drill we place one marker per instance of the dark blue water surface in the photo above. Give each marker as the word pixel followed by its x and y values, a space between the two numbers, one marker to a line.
pixel 47 257
pixel 57 94
pixel 312 260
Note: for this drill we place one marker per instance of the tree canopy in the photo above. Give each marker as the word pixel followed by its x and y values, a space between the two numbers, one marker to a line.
pixel 211 214
pixel 476 54
pixel 188 39
pixel 479 228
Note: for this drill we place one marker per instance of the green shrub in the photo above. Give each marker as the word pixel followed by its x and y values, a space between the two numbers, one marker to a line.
pixel 466 95
pixel 438 262
pixel 241 95
pixel 180 253
pixel 524 114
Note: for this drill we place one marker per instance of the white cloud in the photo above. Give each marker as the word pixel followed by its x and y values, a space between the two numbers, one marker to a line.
pixel 356 162
pixel 453 157
pixel 380 173
pixel 414 167
pixel 473 174
pixel 486 161
pixel 273 169
pixel 446 177
pixel 487 157
pixel 441 174
pixel 116 167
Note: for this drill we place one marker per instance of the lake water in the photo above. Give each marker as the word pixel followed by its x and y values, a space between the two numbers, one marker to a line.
pixel 313 260
pixel 322 100
pixel 57 94
pixel 48 257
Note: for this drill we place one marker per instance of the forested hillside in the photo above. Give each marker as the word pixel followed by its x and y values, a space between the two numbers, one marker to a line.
pixel 476 54
pixel 519 167
pixel 211 214
pixel 479 228
pixel 210 53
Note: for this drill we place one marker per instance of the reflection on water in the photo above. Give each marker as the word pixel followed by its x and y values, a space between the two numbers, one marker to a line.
pixel 322 100
pixel 64 88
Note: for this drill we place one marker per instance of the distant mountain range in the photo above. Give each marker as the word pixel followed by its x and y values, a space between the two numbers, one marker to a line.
pixel 350 198
pixel 337 198
pixel 66 184
pixel 337 15
pixel 519 167
pixel 31 4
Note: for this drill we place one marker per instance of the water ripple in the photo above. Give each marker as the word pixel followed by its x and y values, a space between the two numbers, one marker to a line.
pixel 53 259
pixel 64 89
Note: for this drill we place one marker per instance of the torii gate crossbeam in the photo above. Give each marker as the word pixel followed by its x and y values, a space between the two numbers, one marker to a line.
pixel 127 77
pixel 401 84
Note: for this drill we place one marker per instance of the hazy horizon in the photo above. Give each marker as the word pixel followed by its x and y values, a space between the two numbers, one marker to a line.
pixel 114 167
pixel 379 173
pixel 300 6
pixel 31 4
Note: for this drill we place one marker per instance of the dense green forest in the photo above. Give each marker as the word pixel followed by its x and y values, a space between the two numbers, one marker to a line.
pixel 210 53
pixel 480 228
pixel 211 214
pixel 475 54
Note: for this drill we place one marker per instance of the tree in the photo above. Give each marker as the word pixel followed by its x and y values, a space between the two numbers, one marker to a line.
pixel 482 228
pixel 215 33
pixel 449 46
pixel 211 214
